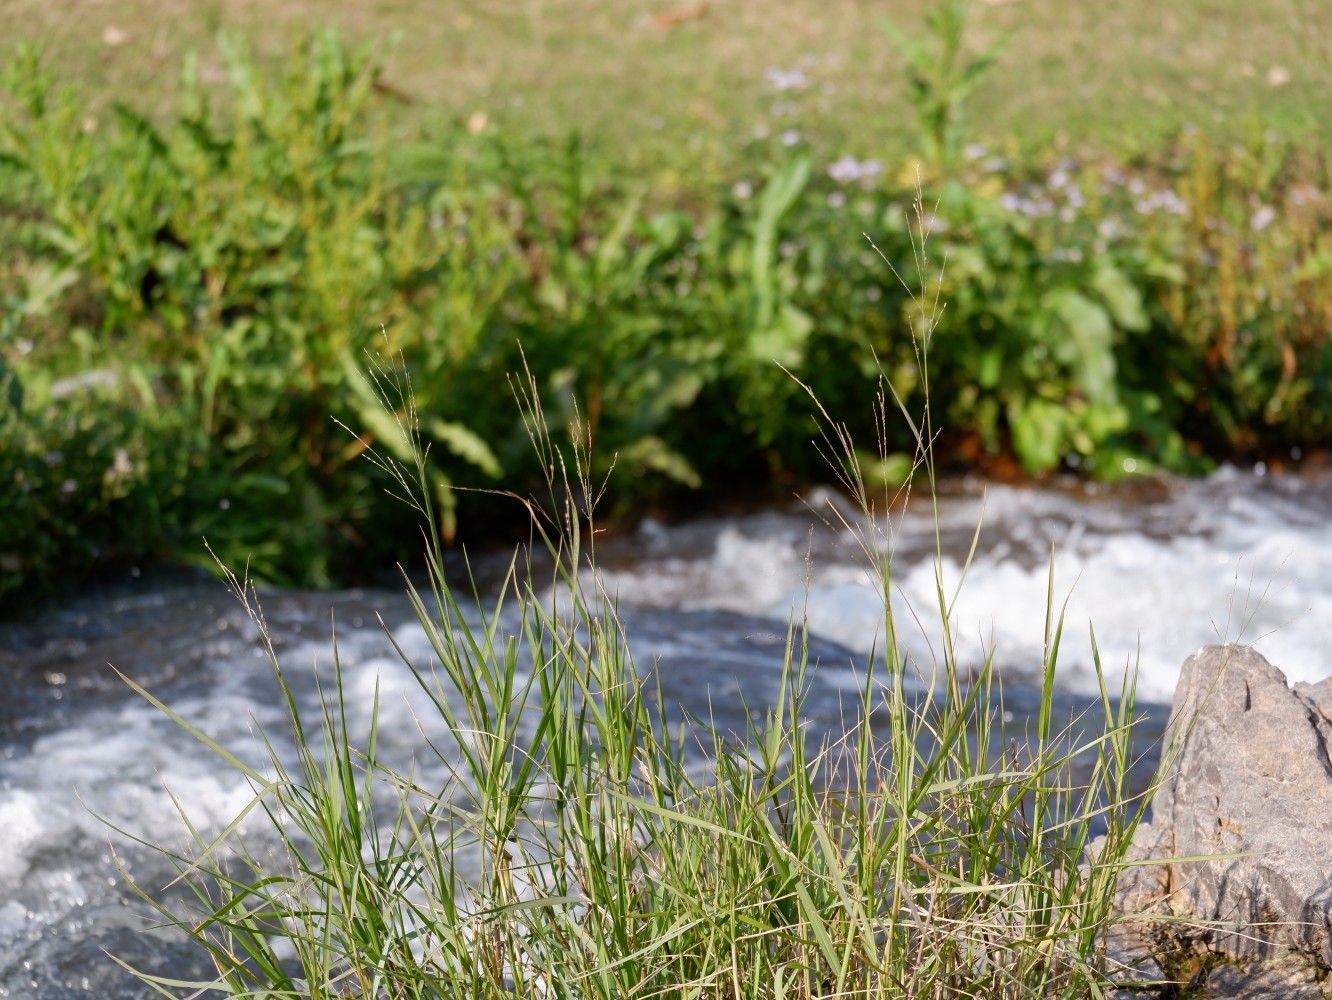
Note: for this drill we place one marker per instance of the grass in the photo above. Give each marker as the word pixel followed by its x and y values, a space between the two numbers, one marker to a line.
pixel 567 834
pixel 673 99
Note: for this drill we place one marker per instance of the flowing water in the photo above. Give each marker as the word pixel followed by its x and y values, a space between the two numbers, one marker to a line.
pixel 1160 569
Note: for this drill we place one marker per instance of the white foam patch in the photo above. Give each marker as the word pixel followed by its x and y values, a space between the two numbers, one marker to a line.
pixel 20 828
pixel 1230 559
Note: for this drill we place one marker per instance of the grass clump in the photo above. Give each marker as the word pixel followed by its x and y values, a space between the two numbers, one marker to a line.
pixel 565 833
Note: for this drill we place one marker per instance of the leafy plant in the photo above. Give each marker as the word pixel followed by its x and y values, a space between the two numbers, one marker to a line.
pixel 942 77
pixel 229 267
pixel 241 265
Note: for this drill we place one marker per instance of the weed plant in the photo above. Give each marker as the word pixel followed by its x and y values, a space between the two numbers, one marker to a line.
pixel 586 841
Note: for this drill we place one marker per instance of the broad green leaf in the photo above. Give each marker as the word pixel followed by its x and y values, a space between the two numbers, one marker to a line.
pixel 553 294
pixel 1038 427
pixel 611 248
pixel 1317 265
pixel 1083 339
pixel 778 197
pixel 46 282
pixel 653 453
pixel 374 414
pixel 890 471
pixel 1121 296
pixel 783 341
pixel 466 444
pixel 61 239
pixel 1167 270
pixel 987 371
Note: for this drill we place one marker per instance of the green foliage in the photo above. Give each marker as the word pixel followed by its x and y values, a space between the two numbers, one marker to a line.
pixel 242 264
pixel 1039 371
pixel 229 268
pixel 941 77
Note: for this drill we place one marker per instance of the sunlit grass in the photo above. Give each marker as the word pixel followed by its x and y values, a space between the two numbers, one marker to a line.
pixel 672 94
pixel 587 841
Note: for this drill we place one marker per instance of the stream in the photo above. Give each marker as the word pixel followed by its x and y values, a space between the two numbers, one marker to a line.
pixel 1159 567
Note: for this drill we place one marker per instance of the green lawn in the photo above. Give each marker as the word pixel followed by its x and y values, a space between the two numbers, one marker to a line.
pixel 663 81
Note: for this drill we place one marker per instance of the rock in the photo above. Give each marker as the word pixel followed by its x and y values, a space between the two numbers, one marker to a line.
pixel 1252 790
pixel 1276 980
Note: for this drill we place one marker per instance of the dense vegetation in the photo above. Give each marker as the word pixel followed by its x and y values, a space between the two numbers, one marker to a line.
pixel 189 303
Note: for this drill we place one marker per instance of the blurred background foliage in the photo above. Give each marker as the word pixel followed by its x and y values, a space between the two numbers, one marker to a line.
pixel 192 290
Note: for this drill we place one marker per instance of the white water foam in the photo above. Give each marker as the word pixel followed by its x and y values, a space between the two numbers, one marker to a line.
pixel 1235 558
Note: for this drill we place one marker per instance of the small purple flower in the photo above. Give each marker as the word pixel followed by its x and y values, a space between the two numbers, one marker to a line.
pixel 785 79
pixel 790 137
pixel 836 199
pixel 1262 218
pixel 844 170
pixel 742 190
pixel 1174 204
pixel 1161 201
pixel 848 170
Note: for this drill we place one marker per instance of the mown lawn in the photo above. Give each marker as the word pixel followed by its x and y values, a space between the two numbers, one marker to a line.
pixel 662 81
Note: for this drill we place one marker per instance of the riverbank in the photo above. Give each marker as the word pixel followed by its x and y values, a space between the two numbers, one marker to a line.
pixel 198 290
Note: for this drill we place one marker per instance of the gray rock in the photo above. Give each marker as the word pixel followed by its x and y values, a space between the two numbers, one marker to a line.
pixel 1252 791
pixel 1277 980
